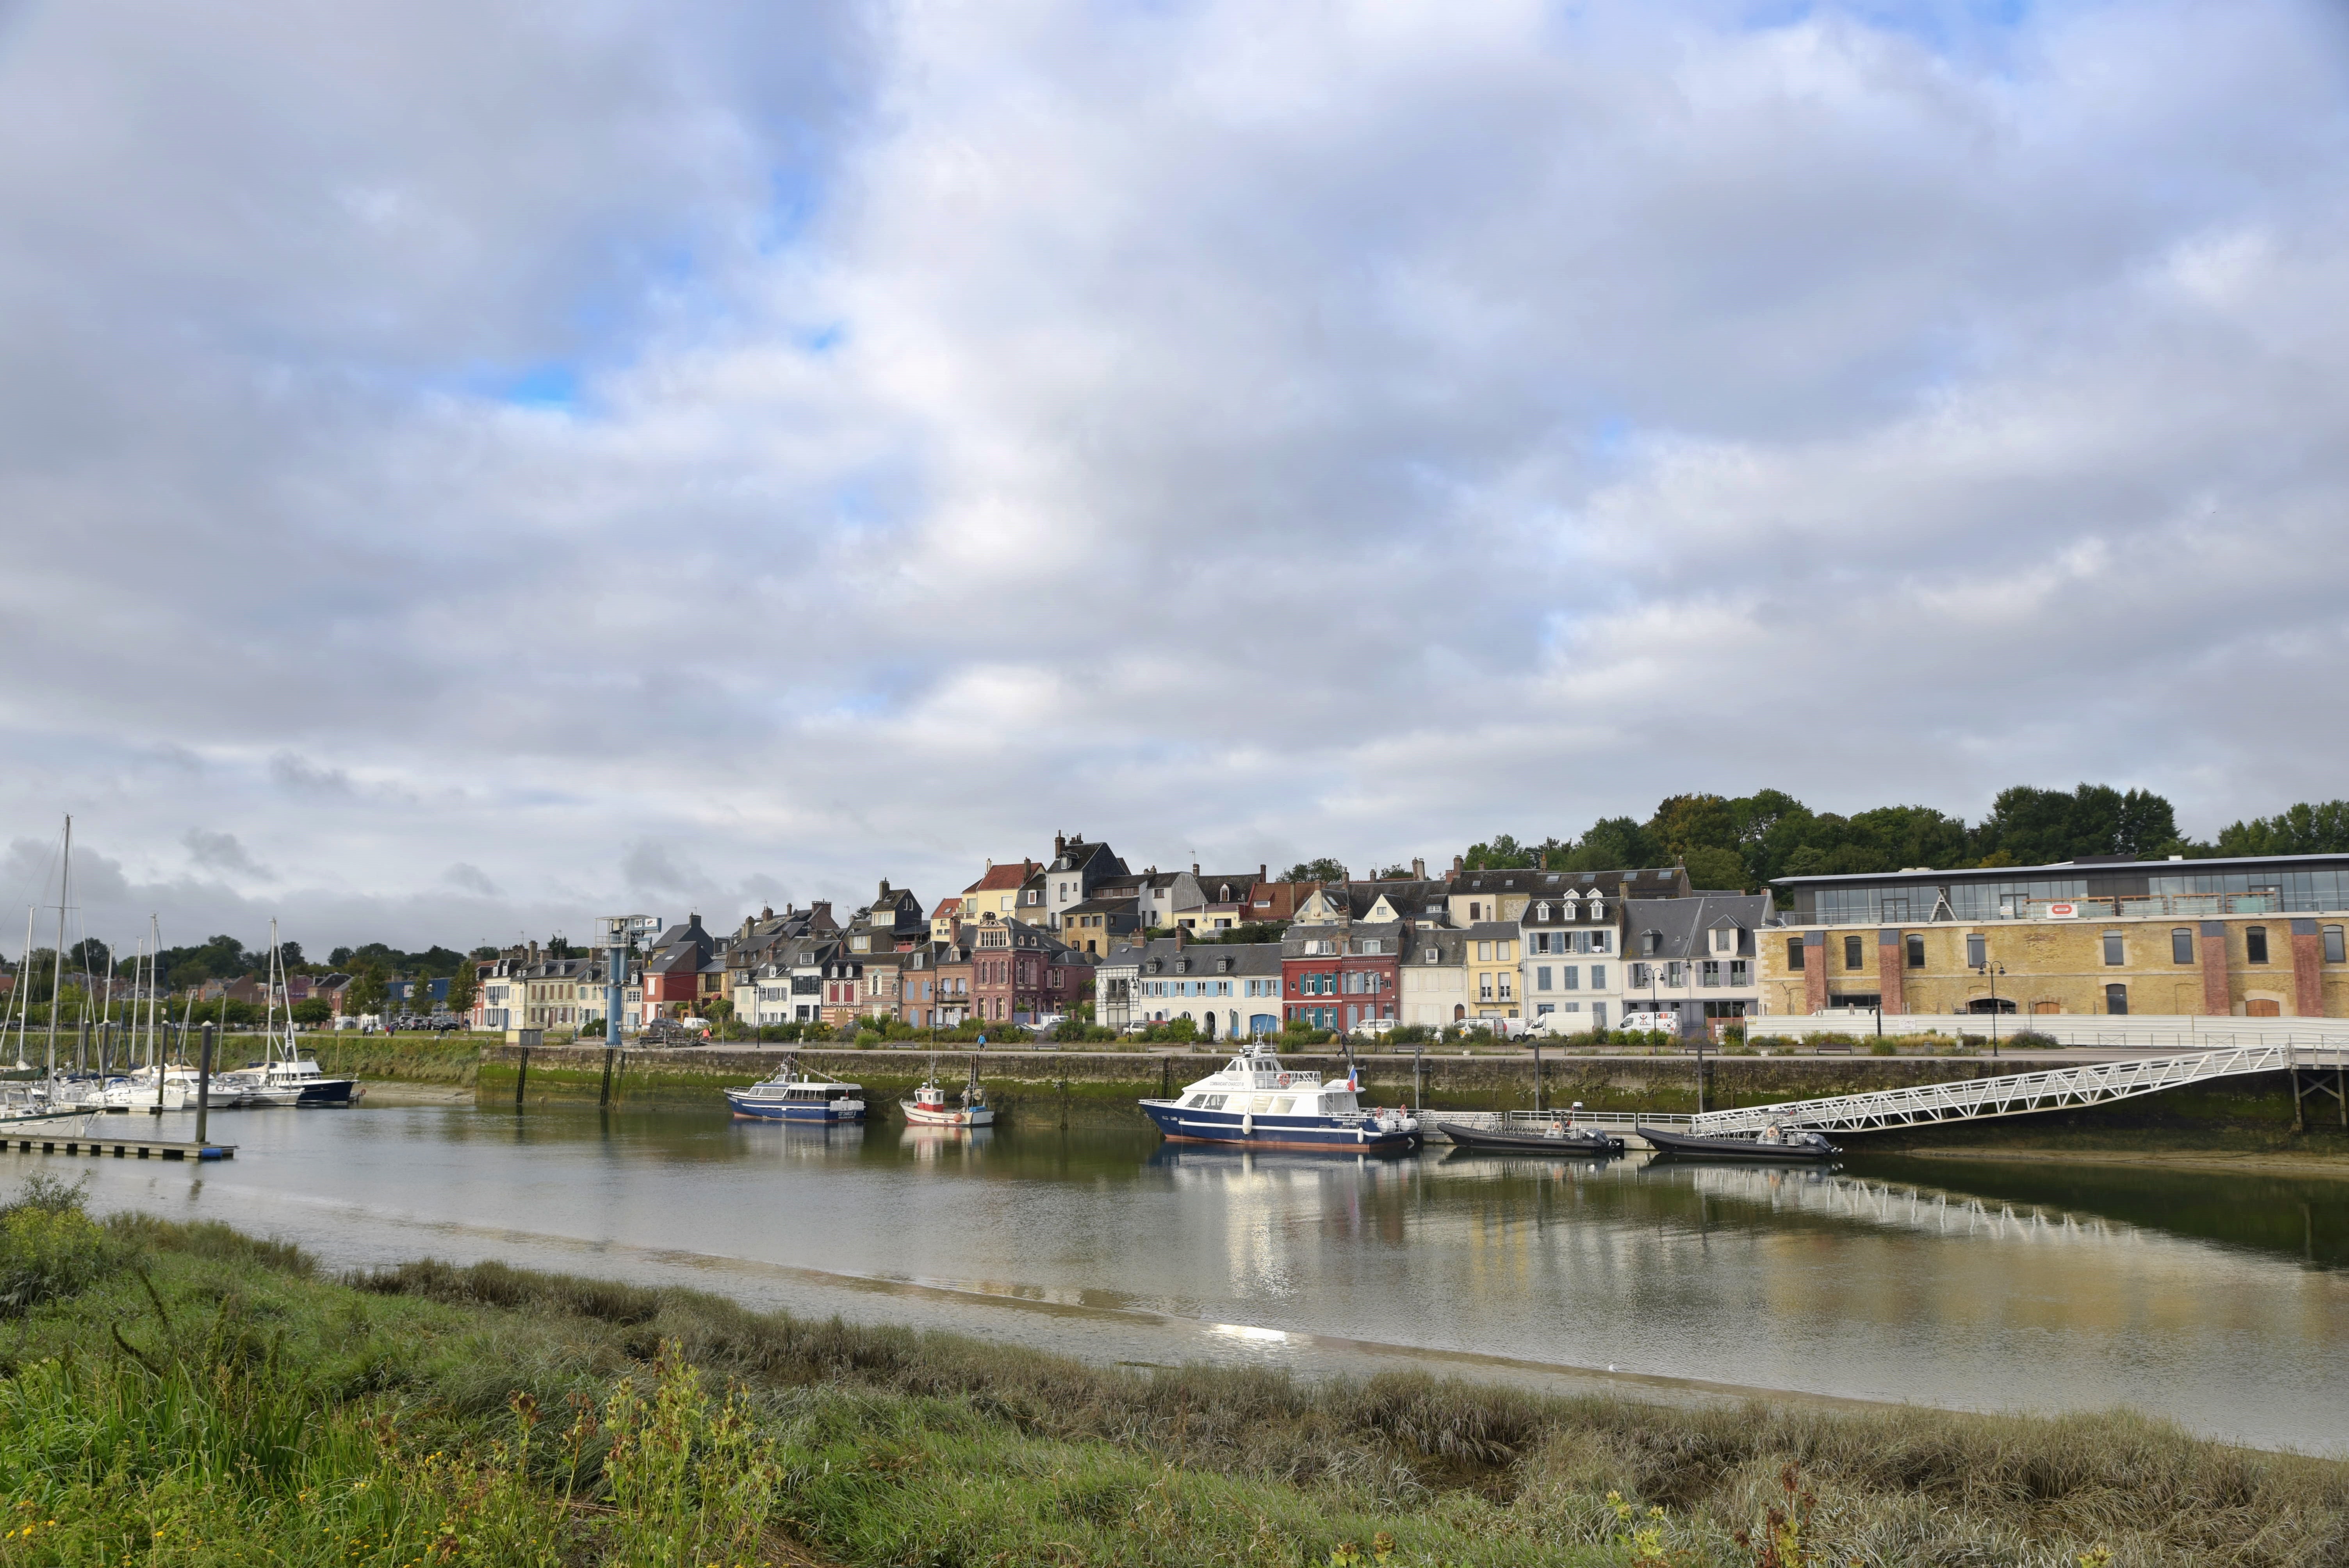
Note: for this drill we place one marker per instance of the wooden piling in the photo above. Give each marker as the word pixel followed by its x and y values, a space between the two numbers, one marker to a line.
pixel 522 1075
pixel 605 1097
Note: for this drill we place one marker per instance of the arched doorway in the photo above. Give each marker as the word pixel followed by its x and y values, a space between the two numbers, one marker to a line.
pixel 1211 1025
pixel 1458 1012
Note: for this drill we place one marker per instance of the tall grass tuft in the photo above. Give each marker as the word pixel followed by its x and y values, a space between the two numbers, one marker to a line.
pixel 49 1247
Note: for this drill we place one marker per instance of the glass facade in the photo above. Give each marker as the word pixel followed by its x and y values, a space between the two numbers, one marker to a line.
pixel 2169 888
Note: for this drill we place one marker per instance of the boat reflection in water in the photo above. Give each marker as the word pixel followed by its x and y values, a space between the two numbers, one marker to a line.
pixel 808 1142
pixel 936 1145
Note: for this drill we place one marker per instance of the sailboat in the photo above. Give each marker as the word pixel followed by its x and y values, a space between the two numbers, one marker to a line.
pixel 284 1075
pixel 50 1102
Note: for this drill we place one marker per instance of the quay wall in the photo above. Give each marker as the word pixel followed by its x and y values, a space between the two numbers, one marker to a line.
pixel 1078 1087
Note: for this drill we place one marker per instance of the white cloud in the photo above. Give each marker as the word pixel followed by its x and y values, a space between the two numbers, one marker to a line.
pixel 691 453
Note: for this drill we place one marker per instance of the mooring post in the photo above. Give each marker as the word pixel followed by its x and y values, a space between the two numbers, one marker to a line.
pixel 1537 1078
pixel 605 1097
pixel 1165 1077
pixel 1418 1095
pixel 522 1075
pixel 204 1085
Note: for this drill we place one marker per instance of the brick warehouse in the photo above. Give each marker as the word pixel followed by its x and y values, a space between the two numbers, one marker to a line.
pixel 2259 938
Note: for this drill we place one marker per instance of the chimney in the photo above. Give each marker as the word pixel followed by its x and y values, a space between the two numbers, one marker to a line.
pixel 885 887
pixel 1263 871
pixel 1179 935
pixel 1418 869
pixel 1194 868
pixel 1060 845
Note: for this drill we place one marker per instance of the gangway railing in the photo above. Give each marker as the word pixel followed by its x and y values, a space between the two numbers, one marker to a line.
pixel 2021 1094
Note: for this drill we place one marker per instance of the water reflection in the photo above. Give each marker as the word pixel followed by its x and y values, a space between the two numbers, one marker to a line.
pixel 1993 1287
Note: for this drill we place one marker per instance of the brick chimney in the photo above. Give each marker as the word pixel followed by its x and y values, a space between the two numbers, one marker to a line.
pixel 1418 869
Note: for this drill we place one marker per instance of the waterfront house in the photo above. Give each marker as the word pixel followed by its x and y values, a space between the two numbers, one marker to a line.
pixel 1491 954
pixel 1694 957
pixel 1571 938
pixel 1022 971
pixel 1342 976
pixel 1225 989
pixel 1432 976
pixel 995 895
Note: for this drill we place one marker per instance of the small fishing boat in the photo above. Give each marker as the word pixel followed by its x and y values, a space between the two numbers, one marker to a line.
pixel 1560 1136
pixel 792 1096
pixel 929 1108
pixel 1774 1142
pixel 1255 1103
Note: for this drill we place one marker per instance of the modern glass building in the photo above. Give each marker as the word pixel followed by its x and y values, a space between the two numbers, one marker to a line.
pixel 2093 888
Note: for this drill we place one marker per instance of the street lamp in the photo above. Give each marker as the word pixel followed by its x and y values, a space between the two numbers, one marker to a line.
pixel 1991 972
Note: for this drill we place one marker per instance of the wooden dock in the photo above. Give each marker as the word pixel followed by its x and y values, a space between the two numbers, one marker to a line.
pixel 120 1148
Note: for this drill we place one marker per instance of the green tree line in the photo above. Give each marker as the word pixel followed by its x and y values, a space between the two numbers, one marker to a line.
pixel 1746 841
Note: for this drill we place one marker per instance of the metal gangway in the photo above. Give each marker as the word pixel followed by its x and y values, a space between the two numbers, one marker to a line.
pixel 2059 1088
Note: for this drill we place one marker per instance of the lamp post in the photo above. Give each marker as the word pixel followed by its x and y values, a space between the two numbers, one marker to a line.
pixel 1991 972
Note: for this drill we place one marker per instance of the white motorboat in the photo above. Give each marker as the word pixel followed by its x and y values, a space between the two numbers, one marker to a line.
pixel 1254 1102
pixel 792 1096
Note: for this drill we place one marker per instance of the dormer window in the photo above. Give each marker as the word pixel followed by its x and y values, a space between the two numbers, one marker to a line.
pixel 1541 912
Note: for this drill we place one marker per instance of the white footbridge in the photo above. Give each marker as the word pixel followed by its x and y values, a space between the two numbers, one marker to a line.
pixel 2055 1088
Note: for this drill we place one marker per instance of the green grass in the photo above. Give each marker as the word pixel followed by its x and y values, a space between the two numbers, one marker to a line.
pixel 187 1395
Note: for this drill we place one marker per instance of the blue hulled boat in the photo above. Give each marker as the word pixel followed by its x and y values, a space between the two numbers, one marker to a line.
pixel 792 1095
pixel 1254 1102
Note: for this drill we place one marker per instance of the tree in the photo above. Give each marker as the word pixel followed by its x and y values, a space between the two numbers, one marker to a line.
pixel 368 993
pixel 2305 829
pixel 88 955
pixel 312 1011
pixel 1613 844
pixel 2043 827
pixel 463 986
pixel 1501 853
pixel 1716 869
pixel 1324 869
pixel 339 958
pixel 289 954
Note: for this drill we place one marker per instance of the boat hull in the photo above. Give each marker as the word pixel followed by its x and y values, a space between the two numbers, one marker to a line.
pixel 1574 1145
pixel 923 1116
pixel 750 1107
pixel 328 1091
pixel 1696 1146
pixel 1333 1134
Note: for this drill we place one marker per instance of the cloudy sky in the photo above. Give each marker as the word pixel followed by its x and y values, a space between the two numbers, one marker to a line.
pixel 468 466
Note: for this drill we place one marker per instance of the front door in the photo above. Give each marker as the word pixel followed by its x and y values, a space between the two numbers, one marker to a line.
pixel 2258 1009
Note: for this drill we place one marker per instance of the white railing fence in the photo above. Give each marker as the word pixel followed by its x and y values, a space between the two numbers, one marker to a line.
pixel 2018 1094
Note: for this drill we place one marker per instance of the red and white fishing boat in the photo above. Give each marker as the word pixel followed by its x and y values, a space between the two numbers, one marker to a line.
pixel 930 1108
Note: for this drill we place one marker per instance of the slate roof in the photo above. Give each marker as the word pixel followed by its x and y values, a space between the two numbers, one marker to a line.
pixel 1679 921
pixel 1002 878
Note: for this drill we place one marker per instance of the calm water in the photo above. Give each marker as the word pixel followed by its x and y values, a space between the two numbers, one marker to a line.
pixel 2223 1301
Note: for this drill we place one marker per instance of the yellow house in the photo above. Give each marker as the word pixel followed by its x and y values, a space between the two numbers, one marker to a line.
pixel 1490 956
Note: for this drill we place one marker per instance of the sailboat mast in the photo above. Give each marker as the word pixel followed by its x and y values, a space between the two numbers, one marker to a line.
pixel 25 986
pixel 154 985
pixel 269 1019
pixel 57 969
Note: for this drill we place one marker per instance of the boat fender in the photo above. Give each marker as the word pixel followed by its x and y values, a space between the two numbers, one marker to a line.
pixel 1248 1124
pixel 1361 1133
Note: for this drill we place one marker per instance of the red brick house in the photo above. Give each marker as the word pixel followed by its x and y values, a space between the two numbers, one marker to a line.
pixel 1342 976
pixel 1020 971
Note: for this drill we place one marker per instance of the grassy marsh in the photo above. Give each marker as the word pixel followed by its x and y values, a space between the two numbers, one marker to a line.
pixel 186 1394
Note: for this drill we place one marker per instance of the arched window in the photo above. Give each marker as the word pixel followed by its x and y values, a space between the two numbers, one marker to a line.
pixel 2117 999
pixel 2181 944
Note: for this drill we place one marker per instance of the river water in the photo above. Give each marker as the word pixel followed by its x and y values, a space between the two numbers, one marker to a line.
pixel 2220 1300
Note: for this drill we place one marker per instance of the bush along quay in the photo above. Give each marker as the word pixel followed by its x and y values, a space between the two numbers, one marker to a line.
pixel 187 1394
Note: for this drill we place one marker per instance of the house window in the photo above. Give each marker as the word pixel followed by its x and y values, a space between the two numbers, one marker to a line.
pixel 1475 912
pixel 2115 949
pixel 1794 954
pixel 1598 978
pixel 1711 975
pixel 2117 999
pixel 1740 973
pixel 1505 978
pixel 1675 973
pixel 1915 946
pixel 1640 973
pixel 1542 978
pixel 2336 952
pixel 2255 944
pixel 1569 977
pixel 1977 950
pixel 2181 944
pixel 1853 949
pixel 1432 955
pixel 1483 953
pixel 1485 988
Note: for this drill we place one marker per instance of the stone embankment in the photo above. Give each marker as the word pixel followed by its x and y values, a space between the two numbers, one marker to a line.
pixel 1082 1088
